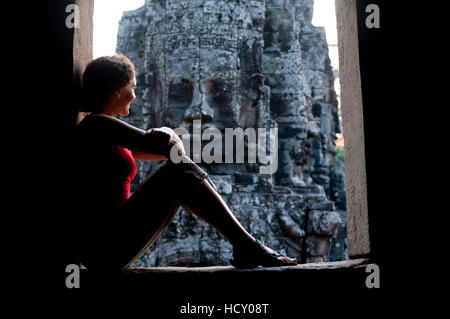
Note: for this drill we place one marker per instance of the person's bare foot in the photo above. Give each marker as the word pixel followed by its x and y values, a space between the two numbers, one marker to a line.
pixel 283 258
pixel 257 253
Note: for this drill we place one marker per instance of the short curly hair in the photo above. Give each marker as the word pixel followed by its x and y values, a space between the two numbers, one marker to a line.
pixel 102 77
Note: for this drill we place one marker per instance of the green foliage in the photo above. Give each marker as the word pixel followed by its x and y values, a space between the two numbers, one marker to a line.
pixel 340 154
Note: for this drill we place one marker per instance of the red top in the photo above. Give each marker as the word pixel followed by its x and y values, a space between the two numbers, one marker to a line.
pixel 105 165
pixel 107 172
pixel 126 171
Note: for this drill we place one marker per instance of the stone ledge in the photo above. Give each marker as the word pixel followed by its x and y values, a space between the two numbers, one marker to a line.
pixel 214 281
pixel 218 269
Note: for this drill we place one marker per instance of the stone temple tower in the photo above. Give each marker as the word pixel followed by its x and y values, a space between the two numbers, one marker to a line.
pixel 244 64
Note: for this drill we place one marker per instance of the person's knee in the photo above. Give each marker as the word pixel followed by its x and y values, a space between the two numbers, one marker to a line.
pixel 180 176
pixel 179 160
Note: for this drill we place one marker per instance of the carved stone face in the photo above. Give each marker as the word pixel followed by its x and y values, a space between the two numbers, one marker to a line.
pixel 201 89
pixel 196 62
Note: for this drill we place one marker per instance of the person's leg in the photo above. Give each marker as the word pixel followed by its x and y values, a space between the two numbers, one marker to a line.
pixel 152 207
pixel 117 237
pixel 205 202
pixel 208 205
pixel 146 215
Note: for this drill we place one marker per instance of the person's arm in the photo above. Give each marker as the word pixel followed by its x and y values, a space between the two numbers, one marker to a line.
pixel 142 156
pixel 156 141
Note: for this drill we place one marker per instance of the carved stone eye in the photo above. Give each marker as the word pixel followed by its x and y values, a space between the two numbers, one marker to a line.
pixel 211 86
pixel 180 90
pixel 218 94
pixel 218 89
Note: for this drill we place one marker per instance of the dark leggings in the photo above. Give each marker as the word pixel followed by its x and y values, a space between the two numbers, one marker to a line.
pixel 118 236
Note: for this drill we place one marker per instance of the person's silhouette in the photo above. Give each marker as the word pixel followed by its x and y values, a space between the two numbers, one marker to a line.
pixel 116 227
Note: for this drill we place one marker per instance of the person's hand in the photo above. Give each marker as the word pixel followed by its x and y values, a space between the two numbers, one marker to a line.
pixel 174 141
pixel 161 140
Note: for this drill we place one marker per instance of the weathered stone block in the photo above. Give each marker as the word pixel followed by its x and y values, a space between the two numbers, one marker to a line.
pixel 285 83
pixel 288 63
pixel 224 183
pixel 339 244
pixel 324 205
pixel 291 227
pixel 323 223
pixel 318 246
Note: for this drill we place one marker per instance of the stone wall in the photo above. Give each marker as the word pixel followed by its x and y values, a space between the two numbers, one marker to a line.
pixel 244 64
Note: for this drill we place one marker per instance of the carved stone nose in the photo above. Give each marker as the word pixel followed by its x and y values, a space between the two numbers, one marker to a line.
pixel 199 108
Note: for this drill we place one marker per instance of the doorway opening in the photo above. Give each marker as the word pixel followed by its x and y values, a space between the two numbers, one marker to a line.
pixel 317 111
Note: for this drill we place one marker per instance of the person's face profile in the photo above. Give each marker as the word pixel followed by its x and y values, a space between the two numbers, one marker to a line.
pixel 125 96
